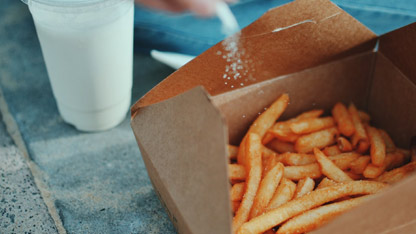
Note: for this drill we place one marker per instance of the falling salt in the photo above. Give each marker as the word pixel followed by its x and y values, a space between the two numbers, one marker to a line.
pixel 244 116
pixel 242 84
pixel 232 86
pixel 219 52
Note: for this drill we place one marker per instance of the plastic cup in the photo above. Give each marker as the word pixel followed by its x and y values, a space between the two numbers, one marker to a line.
pixel 87 46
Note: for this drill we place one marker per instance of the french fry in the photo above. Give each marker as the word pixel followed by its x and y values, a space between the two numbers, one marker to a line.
pixel 378 148
pixel 343 119
pixel 343 161
pixel 320 139
pixel 282 131
pixel 325 182
pixel 237 191
pixel 266 190
pixel 264 122
pixel 363 147
pixel 299 172
pixel 310 114
pixel 236 172
pixel 268 165
pixel 318 217
pixel 397 174
pixel 354 176
pixel 365 118
pixel 267 153
pixel 299 205
pixel 232 152
pixel 329 168
pixel 331 150
pixel 392 160
pixel 304 186
pixel 254 169
pixel 280 146
pixel 344 145
pixel 390 146
pixel 311 125
pixel 360 133
pixel 358 166
pixel 295 159
pixel 234 206
pixel 283 194
pixel 284 127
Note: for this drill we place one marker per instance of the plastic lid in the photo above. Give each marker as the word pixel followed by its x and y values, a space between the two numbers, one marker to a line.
pixel 71 3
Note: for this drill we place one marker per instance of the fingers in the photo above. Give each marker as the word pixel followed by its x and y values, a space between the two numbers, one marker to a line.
pixel 203 8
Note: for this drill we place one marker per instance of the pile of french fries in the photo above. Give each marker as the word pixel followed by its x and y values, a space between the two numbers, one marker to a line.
pixel 294 176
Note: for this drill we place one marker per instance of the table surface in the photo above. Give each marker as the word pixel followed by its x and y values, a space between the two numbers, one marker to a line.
pixel 55 179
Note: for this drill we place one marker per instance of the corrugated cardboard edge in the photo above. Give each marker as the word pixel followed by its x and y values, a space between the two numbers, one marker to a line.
pixel 398 47
pixel 329 34
pixel 183 143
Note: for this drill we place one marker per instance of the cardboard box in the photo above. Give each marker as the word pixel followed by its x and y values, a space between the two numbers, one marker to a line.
pixel 320 55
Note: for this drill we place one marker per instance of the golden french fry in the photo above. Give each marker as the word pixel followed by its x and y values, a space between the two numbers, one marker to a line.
pixel 234 206
pixel 392 160
pixel 331 150
pixel 295 159
pixel 299 172
pixel 344 145
pixel 360 133
pixel 304 186
pixel 268 165
pixel 254 169
pixel 329 168
pixel 358 166
pixel 343 161
pixel 280 146
pixel 354 176
pixel 315 198
pixel 310 114
pixel 266 190
pixel 266 154
pixel 282 131
pixel 318 217
pixel 378 148
pixel 283 194
pixel 365 118
pixel 390 146
pixel 325 182
pixel 397 174
pixel 236 172
pixel 286 134
pixel 343 119
pixel 311 125
pixel 237 191
pixel 363 147
pixel 264 122
pixel 232 152
pixel 320 139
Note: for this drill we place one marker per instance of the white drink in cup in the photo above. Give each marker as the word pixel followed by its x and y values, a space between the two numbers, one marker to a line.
pixel 87 46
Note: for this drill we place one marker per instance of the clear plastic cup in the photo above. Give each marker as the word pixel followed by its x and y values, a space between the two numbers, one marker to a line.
pixel 87 46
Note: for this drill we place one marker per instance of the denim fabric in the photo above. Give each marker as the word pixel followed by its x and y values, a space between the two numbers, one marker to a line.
pixel 184 33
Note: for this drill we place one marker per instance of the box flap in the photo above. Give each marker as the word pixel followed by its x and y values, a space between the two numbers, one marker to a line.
pixel 306 33
pixel 183 143
pixel 400 48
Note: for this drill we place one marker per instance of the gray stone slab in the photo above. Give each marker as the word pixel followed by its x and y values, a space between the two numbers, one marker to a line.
pixel 22 209
pixel 96 181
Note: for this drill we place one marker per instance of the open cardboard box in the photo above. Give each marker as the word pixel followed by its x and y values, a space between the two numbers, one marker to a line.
pixel 183 125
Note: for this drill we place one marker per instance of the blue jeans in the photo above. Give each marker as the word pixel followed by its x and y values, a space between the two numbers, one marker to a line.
pixel 184 33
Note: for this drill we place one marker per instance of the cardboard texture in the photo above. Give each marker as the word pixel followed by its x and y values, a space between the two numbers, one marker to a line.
pixel 182 128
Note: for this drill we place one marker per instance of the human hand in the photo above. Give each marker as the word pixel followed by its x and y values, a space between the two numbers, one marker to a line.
pixel 200 7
